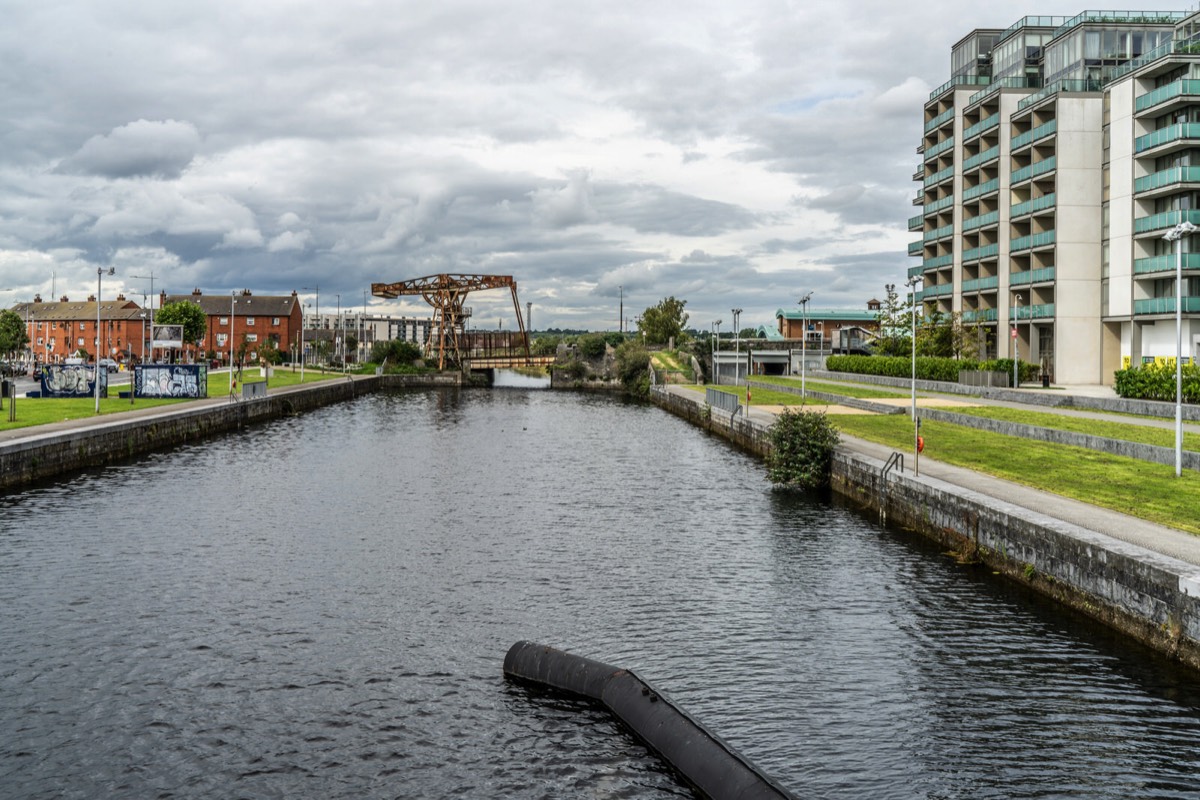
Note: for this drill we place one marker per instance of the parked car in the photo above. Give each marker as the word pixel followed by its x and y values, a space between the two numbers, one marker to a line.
pixel 109 364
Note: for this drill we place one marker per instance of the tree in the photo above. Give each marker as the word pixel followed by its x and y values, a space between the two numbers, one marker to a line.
pixel 189 315
pixel 895 323
pixel 802 446
pixel 658 324
pixel 633 367
pixel 941 335
pixel 13 336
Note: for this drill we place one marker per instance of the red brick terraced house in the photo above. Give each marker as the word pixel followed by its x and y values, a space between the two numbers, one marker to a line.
pixel 261 319
pixel 57 330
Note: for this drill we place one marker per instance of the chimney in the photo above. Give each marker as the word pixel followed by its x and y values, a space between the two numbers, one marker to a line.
pixel 196 292
pixel 245 292
pixel 120 298
pixel 64 299
pixel 37 298
pixel 91 298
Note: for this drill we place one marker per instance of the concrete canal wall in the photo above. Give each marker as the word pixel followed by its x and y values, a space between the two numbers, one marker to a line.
pixel 1151 597
pixel 97 442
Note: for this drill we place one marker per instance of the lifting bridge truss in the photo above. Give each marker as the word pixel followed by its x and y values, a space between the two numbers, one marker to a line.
pixel 447 293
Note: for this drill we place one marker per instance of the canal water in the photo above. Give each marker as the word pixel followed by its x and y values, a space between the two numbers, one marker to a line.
pixel 320 607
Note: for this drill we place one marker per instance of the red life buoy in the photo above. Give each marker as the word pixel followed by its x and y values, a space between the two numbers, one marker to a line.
pixel 920 444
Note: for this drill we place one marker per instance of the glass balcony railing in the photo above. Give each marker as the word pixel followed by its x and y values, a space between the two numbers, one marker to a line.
pixel 939 176
pixel 1043 311
pixel 1148 266
pixel 1162 94
pixel 1080 85
pixel 938 205
pixel 1030 206
pixel 1165 305
pixel 939 233
pixel 991 218
pixel 1034 170
pixel 915 248
pixel 980 315
pixel 1166 219
pixel 916 222
pixel 981 284
pixel 939 148
pixel 1167 177
pixel 1037 134
pixel 940 290
pixel 982 189
pixel 1029 242
pixel 1172 133
pixel 961 80
pixel 976 253
pixel 991 154
pixel 939 120
pixel 915 271
pixel 1041 275
pixel 936 262
pixel 981 126
pixel 1187 45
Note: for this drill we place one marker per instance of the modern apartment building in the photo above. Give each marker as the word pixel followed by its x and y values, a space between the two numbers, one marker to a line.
pixel 1053 162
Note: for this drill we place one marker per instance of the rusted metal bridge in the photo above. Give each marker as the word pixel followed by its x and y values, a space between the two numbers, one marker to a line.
pixel 455 346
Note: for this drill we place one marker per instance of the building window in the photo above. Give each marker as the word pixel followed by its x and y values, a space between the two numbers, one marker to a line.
pixel 80 341
pixel 224 321
pixel 251 337
pixel 249 320
pixel 81 326
pixel 39 341
pixel 274 320
pixel 221 339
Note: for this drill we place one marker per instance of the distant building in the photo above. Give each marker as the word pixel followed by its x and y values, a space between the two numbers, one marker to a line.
pixel 824 327
pixel 259 319
pixel 57 330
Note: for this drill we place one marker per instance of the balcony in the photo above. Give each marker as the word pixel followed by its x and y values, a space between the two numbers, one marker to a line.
pixel 981 284
pixel 1181 133
pixel 937 262
pixel 1043 275
pixel 915 271
pixel 977 253
pixel 1042 239
pixel 940 120
pixel 939 233
pixel 939 176
pixel 980 315
pixel 939 148
pixel 938 205
pixel 1180 88
pixel 991 218
pixel 915 248
pixel 916 222
pixel 982 189
pixel 940 290
pixel 962 80
pixel 1167 178
pixel 1034 170
pixel 991 154
pixel 1167 219
pixel 1037 134
pixel 981 126
pixel 1025 313
pixel 1165 305
pixel 1149 266
pixel 1031 206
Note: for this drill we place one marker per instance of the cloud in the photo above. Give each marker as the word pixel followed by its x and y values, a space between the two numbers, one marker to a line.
pixel 140 149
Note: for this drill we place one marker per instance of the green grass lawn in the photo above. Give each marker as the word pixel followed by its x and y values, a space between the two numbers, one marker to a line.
pixel 1126 432
pixel 38 411
pixel 1138 488
pixel 761 397
pixel 845 390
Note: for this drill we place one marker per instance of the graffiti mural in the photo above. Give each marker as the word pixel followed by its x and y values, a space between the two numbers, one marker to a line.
pixel 170 380
pixel 72 380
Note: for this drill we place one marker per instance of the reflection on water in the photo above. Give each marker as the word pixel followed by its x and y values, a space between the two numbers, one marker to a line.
pixel 320 607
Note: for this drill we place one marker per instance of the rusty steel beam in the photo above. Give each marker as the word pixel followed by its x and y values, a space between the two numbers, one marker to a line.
pixel 446 293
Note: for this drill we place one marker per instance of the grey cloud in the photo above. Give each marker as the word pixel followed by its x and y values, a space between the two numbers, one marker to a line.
pixel 140 149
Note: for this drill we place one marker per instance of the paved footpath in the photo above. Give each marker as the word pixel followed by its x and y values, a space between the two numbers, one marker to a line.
pixel 1157 538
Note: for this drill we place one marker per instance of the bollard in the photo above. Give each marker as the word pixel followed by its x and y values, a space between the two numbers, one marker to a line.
pixel 707 763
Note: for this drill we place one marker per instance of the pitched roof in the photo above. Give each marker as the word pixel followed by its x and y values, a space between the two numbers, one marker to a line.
pixel 71 310
pixel 838 315
pixel 247 305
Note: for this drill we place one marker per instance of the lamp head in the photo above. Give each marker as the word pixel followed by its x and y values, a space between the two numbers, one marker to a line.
pixel 806 298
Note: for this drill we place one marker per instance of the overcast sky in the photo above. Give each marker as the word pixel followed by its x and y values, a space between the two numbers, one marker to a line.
pixel 727 153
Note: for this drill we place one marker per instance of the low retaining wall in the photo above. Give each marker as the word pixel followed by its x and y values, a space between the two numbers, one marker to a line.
pixel 1148 596
pixel 113 439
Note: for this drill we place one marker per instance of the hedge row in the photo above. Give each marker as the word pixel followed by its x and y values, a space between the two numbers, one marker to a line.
pixel 1157 382
pixel 928 369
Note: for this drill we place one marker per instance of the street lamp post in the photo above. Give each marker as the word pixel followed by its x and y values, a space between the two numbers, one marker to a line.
pixel 716 347
pixel 912 286
pixel 1176 235
pixel 804 340
pixel 232 303
pixel 1016 348
pixel 150 278
pixel 99 283
pixel 737 356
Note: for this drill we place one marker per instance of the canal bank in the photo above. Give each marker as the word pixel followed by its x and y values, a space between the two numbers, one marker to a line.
pixel 32 454
pixel 1139 578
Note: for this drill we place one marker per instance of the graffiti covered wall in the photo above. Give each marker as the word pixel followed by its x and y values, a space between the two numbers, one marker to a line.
pixel 72 380
pixel 170 380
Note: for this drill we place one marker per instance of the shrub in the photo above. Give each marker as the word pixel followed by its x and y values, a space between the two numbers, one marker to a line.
pixel 633 368
pixel 592 345
pixel 802 445
pixel 1157 382
pixel 928 369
